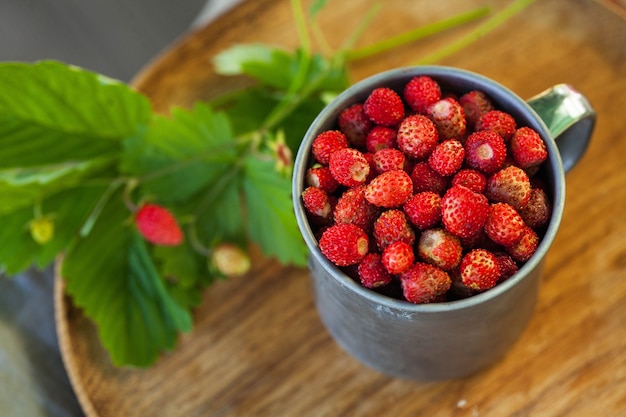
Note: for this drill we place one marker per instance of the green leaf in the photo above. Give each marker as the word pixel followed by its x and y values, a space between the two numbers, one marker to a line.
pixel 111 275
pixel 181 154
pixel 271 221
pixel 316 7
pixel 60 97
pixel 67 209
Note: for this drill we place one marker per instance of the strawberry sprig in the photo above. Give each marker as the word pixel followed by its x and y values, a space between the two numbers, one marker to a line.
pixel 148 210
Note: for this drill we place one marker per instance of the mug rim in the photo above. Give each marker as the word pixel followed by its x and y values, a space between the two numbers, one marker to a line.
pixel 452 77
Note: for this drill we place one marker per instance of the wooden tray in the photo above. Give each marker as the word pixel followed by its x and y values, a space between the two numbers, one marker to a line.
pixel 259 349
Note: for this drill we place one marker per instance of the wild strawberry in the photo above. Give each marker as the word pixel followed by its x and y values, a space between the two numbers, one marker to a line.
pixel 472 179
pixel 448 116
pixel 388 159
pixel 447 157
pixel 525 247
pixel 389 189
pixel 317 202
pixel 349 167
pixel 425 179
pixel 508 266
pixel 392 226
pixel 417 136
pixel 372 272
pixel 230 260
pixel 527 148
pixel 485 151
pixel 504 224
pixel 500 122
pixel 537 212
pixel 398 257
pixel 424 283
pixel 420 92
pixel 352 207
pixel 326 143
pixel 509 185
pixel 344 244
pixel 440 248
pixel 475 103
pixel 354 124
pixel 380 137
pixel 463 211
pixel 158 225
pixel 384 107
pixel 423 209
pixel 319 176
pixel 479 270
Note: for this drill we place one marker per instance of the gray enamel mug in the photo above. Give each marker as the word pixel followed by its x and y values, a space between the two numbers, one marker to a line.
pixel 453 339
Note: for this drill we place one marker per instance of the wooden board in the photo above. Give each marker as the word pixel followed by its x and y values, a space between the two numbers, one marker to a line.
pixel 259 349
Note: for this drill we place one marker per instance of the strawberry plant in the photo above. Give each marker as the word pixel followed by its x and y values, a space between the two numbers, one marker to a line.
pixel 147 209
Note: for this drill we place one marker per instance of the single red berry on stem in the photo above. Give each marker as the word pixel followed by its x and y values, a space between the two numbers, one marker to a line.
pixel 158 225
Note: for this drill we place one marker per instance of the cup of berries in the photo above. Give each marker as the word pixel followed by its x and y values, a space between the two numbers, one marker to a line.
pixel 428 198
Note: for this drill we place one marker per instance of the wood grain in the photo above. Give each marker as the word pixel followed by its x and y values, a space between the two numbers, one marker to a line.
pixel 258 347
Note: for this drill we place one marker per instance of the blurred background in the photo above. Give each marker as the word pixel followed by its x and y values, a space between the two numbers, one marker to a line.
pixel 116 38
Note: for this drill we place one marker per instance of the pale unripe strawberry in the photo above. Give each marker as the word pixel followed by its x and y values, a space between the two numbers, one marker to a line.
pixel 230 260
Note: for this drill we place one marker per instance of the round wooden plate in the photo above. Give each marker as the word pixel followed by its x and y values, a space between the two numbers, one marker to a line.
pixel 258 347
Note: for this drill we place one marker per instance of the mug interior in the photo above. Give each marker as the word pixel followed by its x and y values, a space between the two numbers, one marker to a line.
pixel 454 80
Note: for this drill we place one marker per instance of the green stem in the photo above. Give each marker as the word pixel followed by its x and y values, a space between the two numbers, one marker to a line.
pixel 365 22
pixel 493 22
pixel 416 34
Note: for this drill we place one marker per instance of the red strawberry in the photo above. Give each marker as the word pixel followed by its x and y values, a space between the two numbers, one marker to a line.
pixel 423 209
pixel 372 272
pixel 440 248
pixel 349 167
pixel 504 224
pixel 479 270
pixel 326 143
pixel 508 266
pixel 424 283
pixel 448 116
pixel 389 189
pixel 463 211
pixel 472 179
pixel 447 157
pixel 158 225
pixel 527 148
pixel 344 244
pixel 417 136
pixel 380 137
pixel 498 121
pixel 420 92
pixel 316 202
pixel 384 107
pixel 485 151
pixel 537 212
pixel 475 103
pixel 392 226
pixel 354 124
pixel 352 207
pixel 525 247
pixel 425 179
pixel 388 159
pixel 319 176
pixel 398 257
pixel 509 185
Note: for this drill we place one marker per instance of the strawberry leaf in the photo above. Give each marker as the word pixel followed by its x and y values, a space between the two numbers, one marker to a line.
pixel 111 275
pixel 271 221
pixel 181 154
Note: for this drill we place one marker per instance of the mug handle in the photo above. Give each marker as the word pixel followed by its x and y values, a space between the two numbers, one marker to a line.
pixel 569 118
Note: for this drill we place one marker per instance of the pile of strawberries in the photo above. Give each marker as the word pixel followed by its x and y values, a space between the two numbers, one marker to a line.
pixel 427 195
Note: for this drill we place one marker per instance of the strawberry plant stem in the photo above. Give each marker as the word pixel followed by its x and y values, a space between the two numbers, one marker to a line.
pixel 490 24
pixel 416 34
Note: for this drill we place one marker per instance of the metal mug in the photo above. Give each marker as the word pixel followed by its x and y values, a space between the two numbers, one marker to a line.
pixel 453 339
